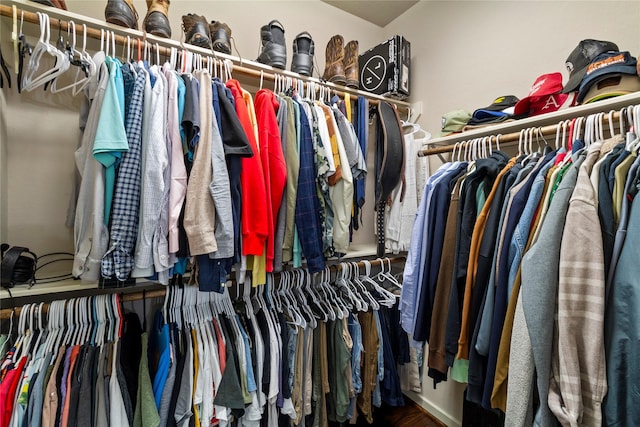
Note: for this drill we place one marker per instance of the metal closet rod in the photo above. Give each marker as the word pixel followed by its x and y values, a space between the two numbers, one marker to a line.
pixel 159 291
pixel 94 28
pixel 512 138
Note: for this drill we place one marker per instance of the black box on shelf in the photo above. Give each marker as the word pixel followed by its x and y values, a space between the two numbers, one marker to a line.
pixel 385 69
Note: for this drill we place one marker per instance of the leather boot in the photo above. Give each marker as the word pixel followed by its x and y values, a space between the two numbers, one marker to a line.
pixel 351 69
pixel 196 30
pixel 274 50
pixel 220 36
pixel 334 67
pixel 60 4
pixel 303 49
pixel 122 13
pixel 156 21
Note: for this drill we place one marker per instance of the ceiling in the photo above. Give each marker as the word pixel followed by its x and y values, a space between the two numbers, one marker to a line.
pixel 379 12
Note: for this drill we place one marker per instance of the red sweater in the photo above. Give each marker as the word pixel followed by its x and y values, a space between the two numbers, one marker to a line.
pixel 273 163
pixel 255 228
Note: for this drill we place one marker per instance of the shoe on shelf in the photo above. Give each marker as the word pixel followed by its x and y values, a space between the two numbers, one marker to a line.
pixel 303 49
pixel 274 51
pixel 351 69
pixel 156 21
pixel 334 66
pixel 196 30
pixel 122 13
pixel 60 4
pixel 220 34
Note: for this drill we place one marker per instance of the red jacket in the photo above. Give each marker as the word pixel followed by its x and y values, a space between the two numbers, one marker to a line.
pixel 255 226
pixel 273 163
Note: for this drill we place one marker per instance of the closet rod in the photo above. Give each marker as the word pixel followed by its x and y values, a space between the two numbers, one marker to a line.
pixel 512 129
pixel 258 70
pixel 159 291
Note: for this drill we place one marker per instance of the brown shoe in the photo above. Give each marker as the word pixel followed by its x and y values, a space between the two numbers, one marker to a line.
pixel 122 13
pixel 351 69
pixel 334 68
pixel 60 4
pixel 220 36
pixel 156 21
pixel 196 30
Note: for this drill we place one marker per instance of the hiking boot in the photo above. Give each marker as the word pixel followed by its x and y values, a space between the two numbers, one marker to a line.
pixel 156 21
pixel 122 13
pixel 274 51
pixel 350 62
pixel 196 30
pixel 334 67
pixel 220 36
pixel 302 61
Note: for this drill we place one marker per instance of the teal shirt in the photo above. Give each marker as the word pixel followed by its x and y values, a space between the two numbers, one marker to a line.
pixel 111 138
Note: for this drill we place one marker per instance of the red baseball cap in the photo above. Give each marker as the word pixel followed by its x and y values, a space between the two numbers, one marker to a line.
pixel 551 103
pixel 544 86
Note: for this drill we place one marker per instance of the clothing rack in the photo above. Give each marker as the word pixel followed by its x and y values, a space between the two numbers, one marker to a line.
pixel 151 290
pixel 547 125
pixel 26 11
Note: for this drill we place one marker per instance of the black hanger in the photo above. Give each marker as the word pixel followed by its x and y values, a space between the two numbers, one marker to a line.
pixel 24 48
pixel 5 70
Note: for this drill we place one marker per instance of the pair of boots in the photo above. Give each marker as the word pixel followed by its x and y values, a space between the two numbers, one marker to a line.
pixel 199 32
pixel 156 21
pixel 342 62
pixel 274 50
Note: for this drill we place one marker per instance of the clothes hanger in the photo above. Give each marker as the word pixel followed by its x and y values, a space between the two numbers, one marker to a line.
pixel 76 58
pixel 21 341
pixel 323 295
pixel 359 289
pixel 31 79
pixel 311 291
pixel 388 298
pixel 293 303
pixel 306 311
pixel 636 128
pixel 370 301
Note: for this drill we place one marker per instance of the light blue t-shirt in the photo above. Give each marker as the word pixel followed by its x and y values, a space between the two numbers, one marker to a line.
pixel 111 137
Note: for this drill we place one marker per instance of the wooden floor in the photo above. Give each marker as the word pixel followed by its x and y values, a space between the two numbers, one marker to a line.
pixel 410 415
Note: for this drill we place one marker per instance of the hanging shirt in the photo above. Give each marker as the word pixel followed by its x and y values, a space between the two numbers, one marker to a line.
pixel 152 246
pixel 199 216
pixel 342 191
pixel 273 163
pixel 118 259
pixel 90 234
pixel 111 139
pixel 178 184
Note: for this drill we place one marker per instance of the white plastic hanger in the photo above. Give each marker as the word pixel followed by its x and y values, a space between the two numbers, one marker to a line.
pixel 31 79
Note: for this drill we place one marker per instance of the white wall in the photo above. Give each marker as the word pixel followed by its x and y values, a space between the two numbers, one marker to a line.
pixel 467 53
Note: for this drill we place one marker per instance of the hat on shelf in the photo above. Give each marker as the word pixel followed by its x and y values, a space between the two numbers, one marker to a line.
pixel 454 121
pixel 544 97
pixel 612 85
pixel 606 64
pixel 581 57
pixel 500 109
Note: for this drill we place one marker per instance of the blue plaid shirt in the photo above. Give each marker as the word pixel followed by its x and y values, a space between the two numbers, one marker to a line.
pixel 307 205
pixel 124 219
